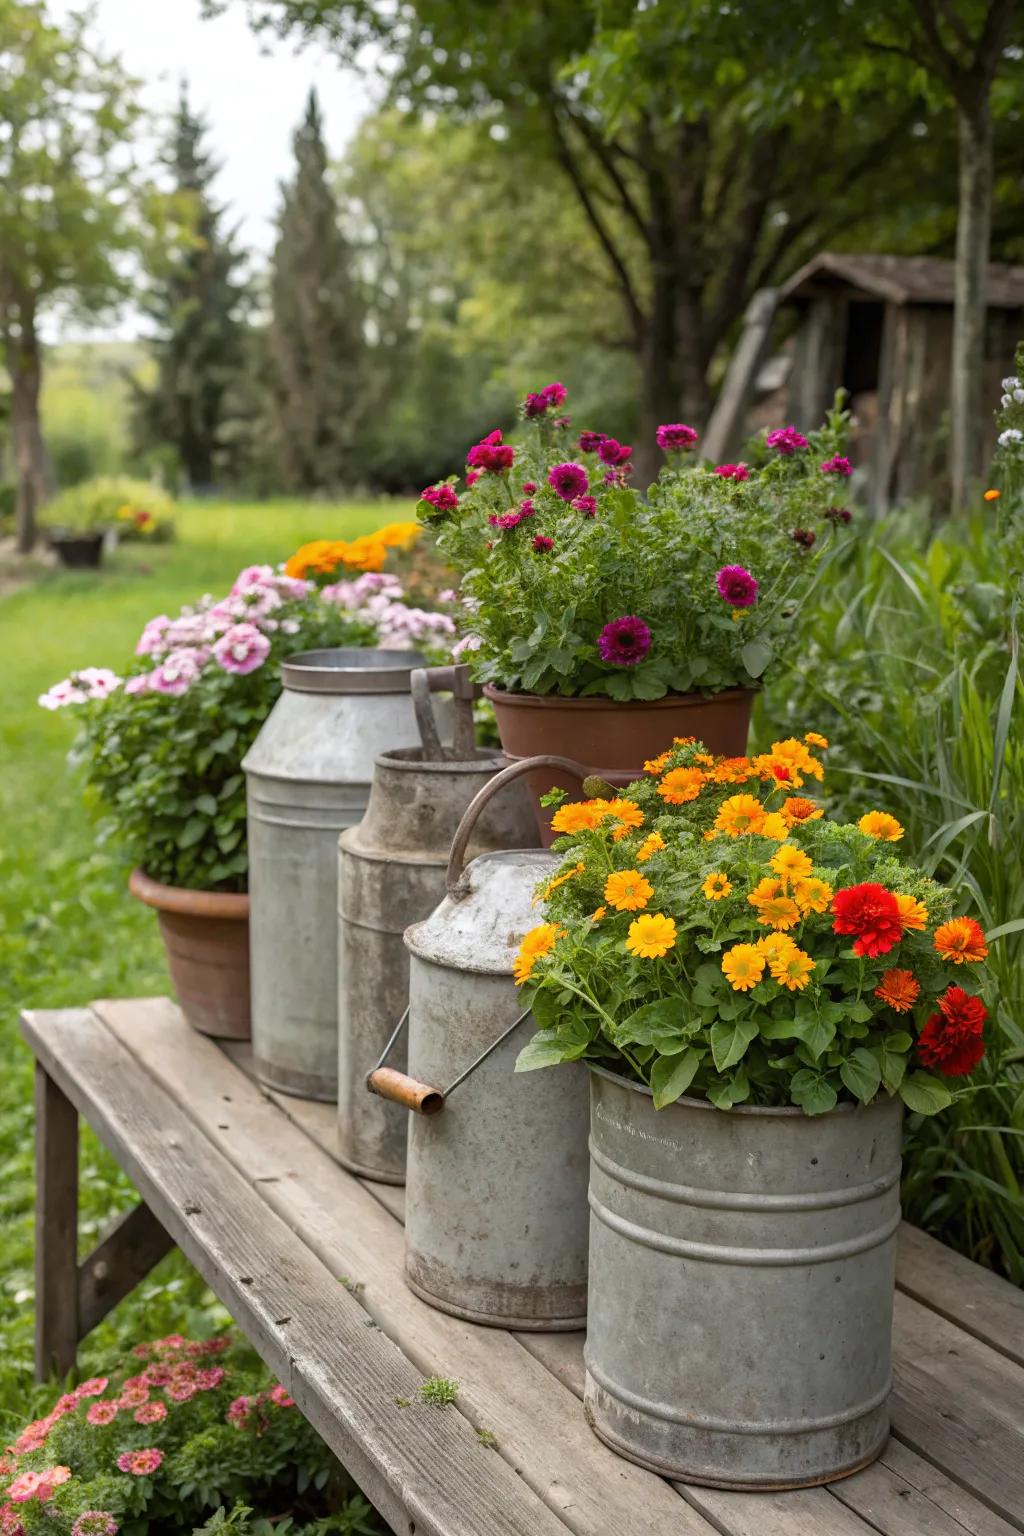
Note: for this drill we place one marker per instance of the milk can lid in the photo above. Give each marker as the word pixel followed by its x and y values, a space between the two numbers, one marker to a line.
pixel 482 931
pixel 350 669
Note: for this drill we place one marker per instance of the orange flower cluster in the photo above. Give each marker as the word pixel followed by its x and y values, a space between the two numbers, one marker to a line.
pixel 367 552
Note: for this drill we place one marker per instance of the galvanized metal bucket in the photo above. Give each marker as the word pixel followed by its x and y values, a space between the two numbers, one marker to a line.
pixel 496 1209
pixel 391 872
pixel 742 1271
pixel 308 774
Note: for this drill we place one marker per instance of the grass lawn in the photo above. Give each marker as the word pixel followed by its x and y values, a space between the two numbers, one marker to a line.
pixel 69 931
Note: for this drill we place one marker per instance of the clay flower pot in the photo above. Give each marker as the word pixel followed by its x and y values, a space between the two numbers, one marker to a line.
pixel 613 739
pixel 206 936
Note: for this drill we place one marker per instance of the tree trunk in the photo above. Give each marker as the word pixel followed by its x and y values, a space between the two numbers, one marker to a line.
pixel 21 349
pixel 974 222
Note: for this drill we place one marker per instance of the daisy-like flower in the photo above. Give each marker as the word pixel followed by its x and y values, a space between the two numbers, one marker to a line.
pixel 815 739
pixel 656 765
pixel 651 936
pixel 280 1397
pixel 682 784
pixel 595 917
pixel 94 1387
pixel 791 969
pixel 796 809
pixel 743 966
pixel 732 770
pixel 775 911
pixel 150 1413
pixel 716 886
pixel 628 816
pixel 627 890
pixel 881 825
pixel 95 1522
pixel 579 816
pixel 812 895
pixel 913 913
pixel 775 945
pixel 961 940
pixel 552 886
pixel 791 863
pixel 740 814
pixel 101 1413
pixel 774 826
pixel 140 1463
pixel 898 989
pixel 538 941
pixel 651 844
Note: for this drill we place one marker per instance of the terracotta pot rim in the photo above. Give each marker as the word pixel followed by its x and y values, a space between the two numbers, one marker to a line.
pixel 753 1111
pixel 233 905
pixel 559 701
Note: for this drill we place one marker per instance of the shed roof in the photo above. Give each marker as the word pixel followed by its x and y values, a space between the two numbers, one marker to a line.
pixel 898 279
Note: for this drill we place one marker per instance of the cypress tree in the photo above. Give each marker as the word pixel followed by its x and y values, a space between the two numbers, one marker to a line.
pixel 316 344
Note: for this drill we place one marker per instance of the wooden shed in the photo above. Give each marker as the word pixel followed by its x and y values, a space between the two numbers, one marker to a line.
pixel 882 328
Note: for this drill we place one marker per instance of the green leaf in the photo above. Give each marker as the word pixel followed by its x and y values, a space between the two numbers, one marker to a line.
pixel 195 828
pixel 207 804
pixel 729 1041
pixel 808 1028
pixel 547 1048
pixel 672 1075
pixel 862 1074
pixel 668 1016
pixel 727 1091
pixel 859 1012
pixel 924 1094
pixel 812 1092
pixel 756 655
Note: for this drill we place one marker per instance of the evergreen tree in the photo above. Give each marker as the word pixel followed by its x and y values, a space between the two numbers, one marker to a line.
pixel 196 301
pixel 316 341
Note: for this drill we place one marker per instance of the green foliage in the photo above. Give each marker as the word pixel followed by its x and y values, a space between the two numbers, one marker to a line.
pixel 439 1391
pixel 135 508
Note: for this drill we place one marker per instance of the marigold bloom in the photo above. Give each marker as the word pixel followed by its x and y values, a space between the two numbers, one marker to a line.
pixel 796 754
pixel 743 966
pixel 716 886
pixel 595 917
pixel 681 784
pixel 870 912
pixel 559 880
pixel 628 815
pixel 398 535
pixel 627 891
pixel 740 814
pixel 781 771
pixel 651 844
pixel 791 969
pixel 774 826
pixel 538 941
pixel 812 895
pixel 881 825
pixel 913 913
pixel 655 765
pixel 814 739
pixel 791 863
pixel 951 1040
pixel 992 495
pixel 778 912
pixel 961 940
pixel 898 989
pixel 733 770
pixel 796 809
pixel 579 816
pixel 651 936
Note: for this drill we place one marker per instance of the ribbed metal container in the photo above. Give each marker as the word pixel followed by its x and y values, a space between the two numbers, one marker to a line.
pixel 496 1208
pixel 308 776
pixel 742 1270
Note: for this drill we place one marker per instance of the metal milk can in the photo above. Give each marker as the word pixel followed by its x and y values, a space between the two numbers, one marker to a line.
pixel 308 774
pixel 496 1209
pixel 391 872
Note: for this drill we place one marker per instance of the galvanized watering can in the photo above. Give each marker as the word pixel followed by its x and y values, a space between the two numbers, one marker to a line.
pixel 496 1212
pixel 309 773
pixel 391 872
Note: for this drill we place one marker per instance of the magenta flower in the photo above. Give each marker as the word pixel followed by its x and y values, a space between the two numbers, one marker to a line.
pixel 611 451
pixel 150 1413
pixel 95 1522
pixel 675 437
pixel 590 442
pixel 527 508
pixel 239 1411
pixel 568 480
pixel 472 476
pixel 491 454
pixel 585 504
pixel 278 1394
pixel 737 586
pixel 534 406
pixel 440 496
pixel 508 520
pixel 544 400
pixel 786 439
pixel 624 642
pixel 732 471
pixel 837 465
pixel 555 394
pixel 805 537
pixel 529 487
pixel 140 1463
pixel 241 649
pixel 542 544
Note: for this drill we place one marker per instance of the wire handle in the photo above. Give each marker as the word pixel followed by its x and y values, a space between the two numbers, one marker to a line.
pixel 388 1083
pixel 460 842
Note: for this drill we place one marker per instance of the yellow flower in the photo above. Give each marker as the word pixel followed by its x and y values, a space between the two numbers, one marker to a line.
pixel 792 970
pixel 628 815
pixel 881 825
pixel 813 739
pixel 553 885
pixel 716 886
pixel 710 835
pixel 779 912
pixel 681 784
pixel 743 966
pixel 791 863
pixel 655 765
pixel 651 844
pixel 683 741
pixel 627 891
pixel 781 771
pixel 595 917
pixel 797 809
pixel 774 826
pixel 766 890
pixel 992 495
pixel 775 945
pixel 579 816
pixel 740 814
pixel 913 913
pixel 398 535
pixel 812 895
pixel 704 758
pixel 651 936
pixel 539 941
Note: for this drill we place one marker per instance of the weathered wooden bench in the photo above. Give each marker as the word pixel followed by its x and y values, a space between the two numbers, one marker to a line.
pixel 308 1260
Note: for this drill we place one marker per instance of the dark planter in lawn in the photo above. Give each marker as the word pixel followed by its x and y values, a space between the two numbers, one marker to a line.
pixel 77 551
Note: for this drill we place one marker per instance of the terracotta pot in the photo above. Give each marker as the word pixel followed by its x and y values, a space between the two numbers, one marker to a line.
pixel 206 936
pixel 611 739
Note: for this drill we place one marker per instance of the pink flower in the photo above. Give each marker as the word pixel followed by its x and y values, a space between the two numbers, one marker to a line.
pixel 34 1437
pixel 8 1467
pixel 472 476
pixel 542 544
pixel 732 471
pixel 544 400
pixel 507 520
pixel 37 1485
pixel 590 442
pixel 611 451
pixel 176 673
pixel 67 1403
pixel 280 1397
pixel 585 504
pixel 675 437
pixel 805 537
pixel 837 465
pixel 50 1481
pixel 208 1380
pixel 527 508
pixel 838 514
pixel 98 682
pixel 95 1522
pixel 253 576
pixel 624 642
pixel 101 1413
pixel 62 694
pixel 152 640
pixel 150 1413
pixel 158 1375
pixel 241 649
pixel 568 480
pixel 181 1391
pixel 10 1524
pixel 529 486
pixel 737 586
pixel 442 497
pixel 138 684
pixel 92 1388
pixel 239 1411
pixel 140 1463
pixel 491 454
pixel 786 439
pixel 133 1396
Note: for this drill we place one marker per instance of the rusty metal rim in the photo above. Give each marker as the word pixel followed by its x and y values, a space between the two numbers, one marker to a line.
pixel 494 1320
pixel 563 701
pixel 787 1111
pixel 232 905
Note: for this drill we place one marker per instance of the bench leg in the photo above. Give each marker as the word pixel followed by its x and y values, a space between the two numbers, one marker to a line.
pixel 56 1229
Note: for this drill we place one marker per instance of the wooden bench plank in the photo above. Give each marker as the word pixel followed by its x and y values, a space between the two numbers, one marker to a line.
pixel 964 1365
pixel 903 1495
pixel 943 1491
pixel 976 1300
pixel 423 1468
pixel 538 1424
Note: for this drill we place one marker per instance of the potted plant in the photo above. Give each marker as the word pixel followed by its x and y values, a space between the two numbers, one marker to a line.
pixel 163 746
pixel 759 991
pixel 601 621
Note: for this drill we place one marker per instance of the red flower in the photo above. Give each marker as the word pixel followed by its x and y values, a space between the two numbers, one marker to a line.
pixel 542 544
pixel 951 1040
pixel 491 454
pixel 871 912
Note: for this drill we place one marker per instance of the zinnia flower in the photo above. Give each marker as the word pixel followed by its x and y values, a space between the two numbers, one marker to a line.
pixel 278 1395
pixel 442 497
pixel 837 465
pixel 585 504
pixel 140 1463
pixel 150 1413
pixel 568 480
pixel 740 814
pixel 870 912
pixel 786 439
pixel 92 1388
pixel 627 890
pixel 898 989
pixel 651 936
pixel 612 452
pixel 743 966
pixel 736 585
pixel 961 940
pixel 951 1040
pixel 491 454
pixel 624 642
pixel 95 1522
pixel 590 442
pixel 716 886
pixel 101 1413
pixel 538 941
pixel 881 825
pixel 681 785
pixel 732 471
pixel 675 437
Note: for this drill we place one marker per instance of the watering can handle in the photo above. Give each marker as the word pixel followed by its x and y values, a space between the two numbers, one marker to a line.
pixel 460 842
pixel 454 680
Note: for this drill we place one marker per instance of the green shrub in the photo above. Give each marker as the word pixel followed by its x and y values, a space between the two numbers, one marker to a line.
pixel 135 508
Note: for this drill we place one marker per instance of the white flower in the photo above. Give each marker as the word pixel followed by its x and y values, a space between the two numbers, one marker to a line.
pixel 1011 435
pixel 1018 395
pixel 1005 400
pixel 99 682
pixel 1012 382
pixel 61 694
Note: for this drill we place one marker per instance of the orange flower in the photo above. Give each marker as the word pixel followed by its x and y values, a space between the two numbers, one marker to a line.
pixel 655 765
pixel 683 741
pixel 651 936
pixel 881 825
pixel 716 886
pixel 898 989
pixel 812 895
pixel 774 908
pixel 775 827
pixel 813 739
pixel 595 917
pixel 651 844
pixel 539 941
pixel 791 969
pixel 992 495
pixel 797 809
pixel 961 941
pixel 627 891
pixel 554 884
pixel 775 945
pixel 791 863
pixel 681 784
pixel 740 814
pixel 398 535
pixel 366 553
pixel 743 966
pixel 913 913
pixel 733 770
pixel 628 815
pixel 579 816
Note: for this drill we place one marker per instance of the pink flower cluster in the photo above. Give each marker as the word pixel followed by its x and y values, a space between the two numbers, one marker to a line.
pixel 38 1485
pixel 442 497
pixel 837 465
pixel 732 471
pixel 90 683
pixel 141 1463
pixel 250 1413
pixel 786 440
pixel 491 454
pixel 546 399
pixel 378 597
pixel 675 437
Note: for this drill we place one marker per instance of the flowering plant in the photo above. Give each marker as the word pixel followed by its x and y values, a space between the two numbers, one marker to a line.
pixel 711 932
pixel 178 1430
pixel 575 584
pixel 137 509
pixel 163 746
